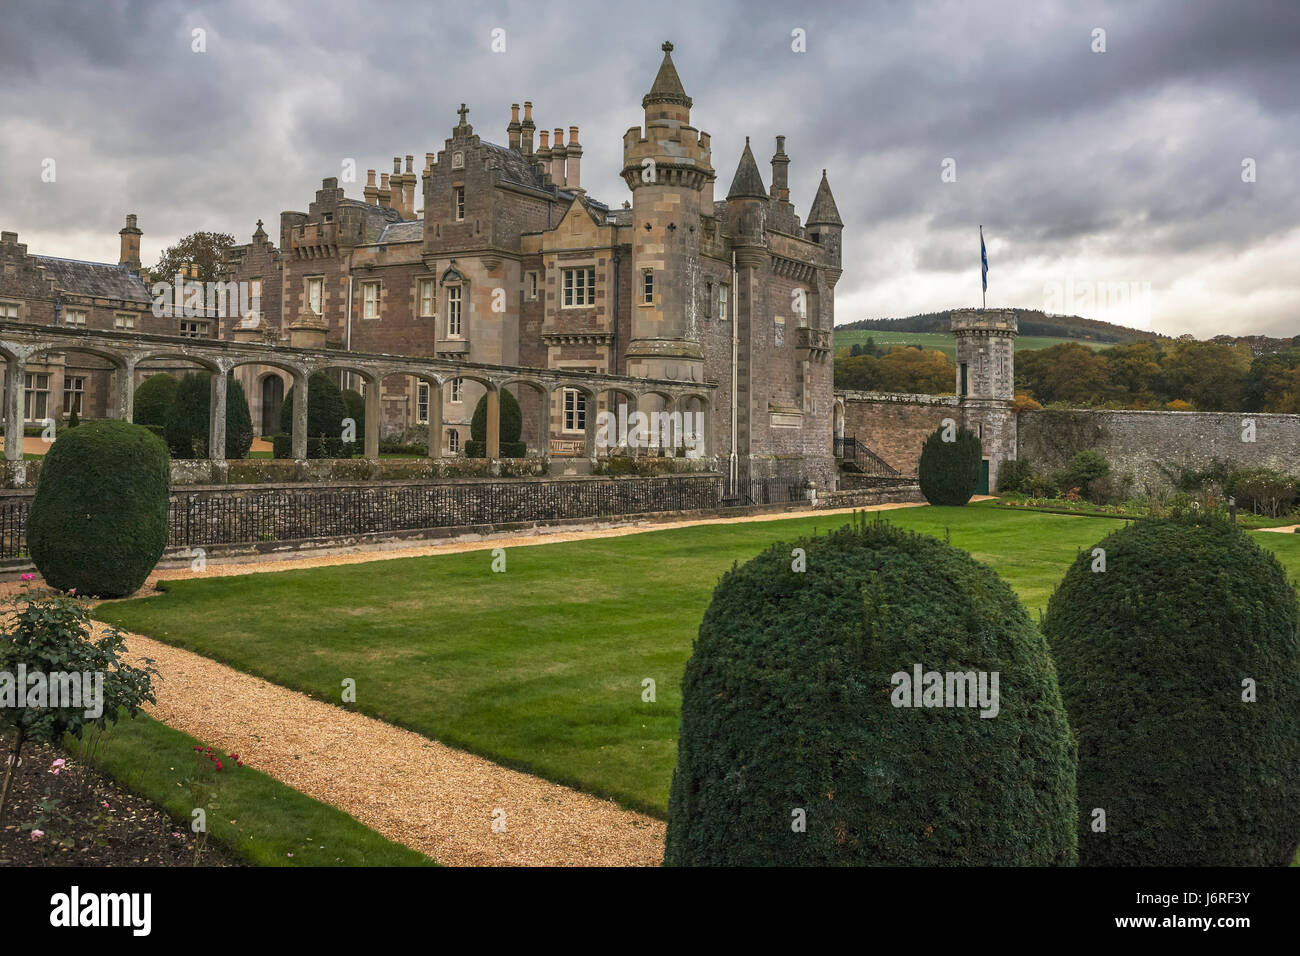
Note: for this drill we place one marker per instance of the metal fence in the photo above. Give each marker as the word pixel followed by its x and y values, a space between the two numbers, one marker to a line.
pixel 251 515
pixel 247 516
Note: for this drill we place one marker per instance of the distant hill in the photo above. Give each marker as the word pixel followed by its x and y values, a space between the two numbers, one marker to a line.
pixel 1032 322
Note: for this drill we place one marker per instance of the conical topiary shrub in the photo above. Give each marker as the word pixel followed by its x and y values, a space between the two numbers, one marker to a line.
pixel 1161 634
pixel 949 472
pixel 795 747
pixel 98 522
pixel 512 421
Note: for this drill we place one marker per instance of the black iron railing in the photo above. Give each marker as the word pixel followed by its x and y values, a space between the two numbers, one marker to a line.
pixel 850 449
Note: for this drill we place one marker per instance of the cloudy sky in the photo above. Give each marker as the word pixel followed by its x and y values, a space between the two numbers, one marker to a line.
pixel 1109 183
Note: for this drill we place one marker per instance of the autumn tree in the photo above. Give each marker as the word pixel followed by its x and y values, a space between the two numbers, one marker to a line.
pixel 202 249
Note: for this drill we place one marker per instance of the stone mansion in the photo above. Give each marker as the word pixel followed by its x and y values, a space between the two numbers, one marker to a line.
pixel 509 262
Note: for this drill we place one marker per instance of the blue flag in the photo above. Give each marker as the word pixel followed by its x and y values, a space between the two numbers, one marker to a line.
pixel 984 262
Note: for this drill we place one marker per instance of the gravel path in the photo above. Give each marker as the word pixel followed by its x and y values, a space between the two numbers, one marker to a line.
pixel 413 790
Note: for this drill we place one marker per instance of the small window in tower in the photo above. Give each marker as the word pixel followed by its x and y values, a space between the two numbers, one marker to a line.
pixel 708 299
pixel 648 287
pixel 459 201
pixel 722 303
pixel 426 298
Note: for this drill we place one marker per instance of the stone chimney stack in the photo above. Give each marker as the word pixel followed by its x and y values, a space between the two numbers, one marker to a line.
pixel 371 192
pixel 514 128
pixel 780 172
pixel 385 191
pixel 558 153
pixel 544 152
pixel 573 162
pixel 526 131
pixel 429 160
pixel 130 234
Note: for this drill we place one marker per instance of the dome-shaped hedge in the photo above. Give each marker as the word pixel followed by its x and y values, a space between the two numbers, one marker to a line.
pixel 98 522
pixel 788 707
pixel 1152 653
pixel 153 399
pixel 949 471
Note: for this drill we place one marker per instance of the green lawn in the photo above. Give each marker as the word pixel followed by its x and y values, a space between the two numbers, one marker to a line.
pixel 943 341
pixel 258 817
pixel 541 667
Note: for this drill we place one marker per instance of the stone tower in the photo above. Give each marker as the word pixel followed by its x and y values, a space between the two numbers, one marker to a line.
pixel 986 342
pixel 667 167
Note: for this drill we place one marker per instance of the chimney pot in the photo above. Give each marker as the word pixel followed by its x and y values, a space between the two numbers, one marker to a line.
pixel 409 160
pixel 370 177
pixel 397 165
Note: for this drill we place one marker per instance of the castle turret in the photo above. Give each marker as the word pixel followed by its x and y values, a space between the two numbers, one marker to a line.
pixel 666 165
pixel 824 223
pixel 986 372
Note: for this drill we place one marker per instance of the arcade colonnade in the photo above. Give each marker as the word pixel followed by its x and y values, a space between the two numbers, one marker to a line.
pixel 21 343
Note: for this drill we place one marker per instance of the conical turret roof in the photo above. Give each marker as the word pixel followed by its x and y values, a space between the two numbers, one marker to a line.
pixel 748 181
pixel 667 87
pixel 823 211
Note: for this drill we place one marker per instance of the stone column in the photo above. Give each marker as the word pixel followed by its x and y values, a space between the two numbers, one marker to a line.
pixel 17 370
pixel 373 423
pixel 435 420
pixel 217 416
pixel 544 423
pixel 299 443
pixel 590 422
pixel 493 424
pixel 124 385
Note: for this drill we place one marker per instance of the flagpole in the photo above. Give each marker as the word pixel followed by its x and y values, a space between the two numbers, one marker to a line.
pixel 984 296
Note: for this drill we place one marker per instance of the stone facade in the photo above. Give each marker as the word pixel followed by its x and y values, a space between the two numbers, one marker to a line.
pixel 74 294
pixel 510 261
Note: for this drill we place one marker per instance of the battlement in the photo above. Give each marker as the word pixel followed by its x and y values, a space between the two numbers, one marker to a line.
pixel 984 320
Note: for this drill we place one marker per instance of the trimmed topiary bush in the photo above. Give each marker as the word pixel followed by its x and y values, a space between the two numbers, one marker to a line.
pixel 789 715
pixel 153 400
pixel 512 423
pixel 325 408
pixel 187 419
pixel 98 522
pixel 239 422
pixel 1152 653
pixel 949 471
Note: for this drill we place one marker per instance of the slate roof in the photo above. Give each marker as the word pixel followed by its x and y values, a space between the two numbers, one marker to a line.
pixel 748 182
pixel 823 211
pixel 412 231
pixel 667 87
pixel 514 168
pixel 99 279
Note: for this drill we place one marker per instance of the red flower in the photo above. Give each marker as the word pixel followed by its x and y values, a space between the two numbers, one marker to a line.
pixel 218 764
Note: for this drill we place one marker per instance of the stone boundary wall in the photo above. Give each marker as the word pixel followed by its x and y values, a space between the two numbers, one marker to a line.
pixel 1154 447
pixel 896 424
pixel 355 514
